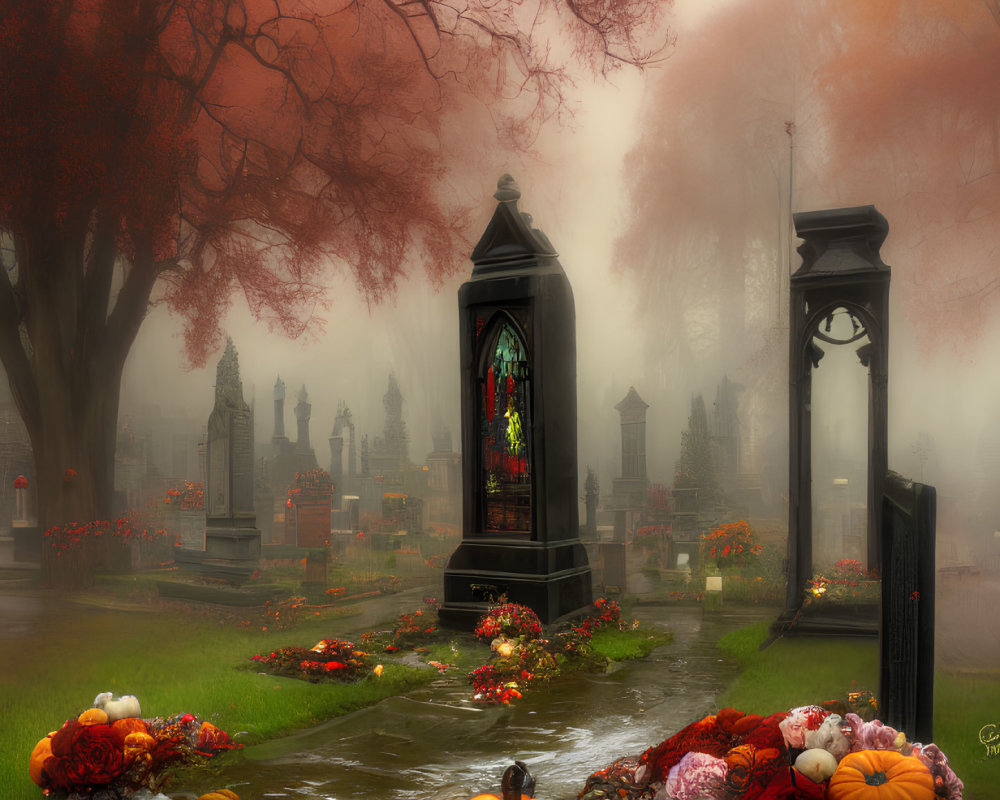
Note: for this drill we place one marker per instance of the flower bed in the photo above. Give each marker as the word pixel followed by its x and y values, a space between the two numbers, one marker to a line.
pixel 78 551
pixel 807 753
pixel 845 583
pixel 522 659
pixel 190 497
pixel 329 659
pixel 110 752
pixel 732 545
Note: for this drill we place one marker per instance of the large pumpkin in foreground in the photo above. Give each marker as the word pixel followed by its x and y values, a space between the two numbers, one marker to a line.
pixel 220 794
pixel 495 797
pixel 880 775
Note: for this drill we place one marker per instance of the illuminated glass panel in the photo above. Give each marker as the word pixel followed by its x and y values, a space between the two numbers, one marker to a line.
pixel 504 435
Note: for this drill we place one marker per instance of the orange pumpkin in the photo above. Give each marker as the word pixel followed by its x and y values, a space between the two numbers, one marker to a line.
pixel 93 716
pixel 880 775
pixel 220 794
pixel 138 742
pixel 127 725
pixel 41 752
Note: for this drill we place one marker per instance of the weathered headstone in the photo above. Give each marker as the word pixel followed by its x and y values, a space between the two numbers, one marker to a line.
pixel 520 531
pixel 230 524
pixel 307 517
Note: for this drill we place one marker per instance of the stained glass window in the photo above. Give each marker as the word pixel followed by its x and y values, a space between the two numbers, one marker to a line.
pixel 505 428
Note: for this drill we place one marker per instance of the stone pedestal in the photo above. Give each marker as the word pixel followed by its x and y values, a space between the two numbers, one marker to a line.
pixel 27 542
pixel 232 544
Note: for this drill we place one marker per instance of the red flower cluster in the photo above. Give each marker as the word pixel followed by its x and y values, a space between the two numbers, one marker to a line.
pixel 84 755
pixel 489 686
pixel 338 659
pixel 127 529
pixel 410 628
pixel 511 621
pixel 190 498
pixel 126 754
pixel 734 544
pixel 609 613
pixel 522 659
pixel 716 735
pixel 851 568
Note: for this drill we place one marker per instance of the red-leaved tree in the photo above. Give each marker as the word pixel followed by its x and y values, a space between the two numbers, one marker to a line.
pixel 187 151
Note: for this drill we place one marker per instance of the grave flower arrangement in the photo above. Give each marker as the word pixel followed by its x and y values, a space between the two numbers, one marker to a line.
pixel 805 753
pixel 510 621
pixel 523 659
pixel 190 497
pixel 328 659
pixel 732 545
pixel 846 581
pixel 110 751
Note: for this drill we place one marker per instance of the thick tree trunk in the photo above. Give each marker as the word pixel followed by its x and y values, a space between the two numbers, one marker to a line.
pixel 64 348
pixel 74 447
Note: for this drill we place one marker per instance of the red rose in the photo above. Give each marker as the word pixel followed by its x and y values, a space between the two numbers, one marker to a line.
pixel 62 741
pixel 97 756
pixel 54 773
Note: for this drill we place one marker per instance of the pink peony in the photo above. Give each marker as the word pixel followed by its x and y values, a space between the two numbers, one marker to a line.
pixel 946 782
pixel 872 735
pixel 697 776
pixel 800 721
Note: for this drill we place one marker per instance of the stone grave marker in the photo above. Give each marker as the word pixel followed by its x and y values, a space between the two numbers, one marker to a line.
pixel 232 540
pixel 520 517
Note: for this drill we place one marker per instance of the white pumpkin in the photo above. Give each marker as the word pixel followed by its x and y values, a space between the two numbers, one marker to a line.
pixel 816 764
pixel 120 708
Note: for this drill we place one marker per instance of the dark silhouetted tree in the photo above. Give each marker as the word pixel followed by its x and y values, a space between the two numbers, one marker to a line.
pixel 183 151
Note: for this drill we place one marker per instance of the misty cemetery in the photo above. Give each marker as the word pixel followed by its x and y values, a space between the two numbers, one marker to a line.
pixel 336 462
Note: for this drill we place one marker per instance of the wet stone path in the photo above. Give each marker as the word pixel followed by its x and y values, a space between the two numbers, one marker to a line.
pixel 436 744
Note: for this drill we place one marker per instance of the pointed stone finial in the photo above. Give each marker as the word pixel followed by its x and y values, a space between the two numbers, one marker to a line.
pixel 507 190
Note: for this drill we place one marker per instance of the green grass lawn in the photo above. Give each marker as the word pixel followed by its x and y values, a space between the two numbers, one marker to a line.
pixel 174 664
pixel 628 644
pixel 177 660
pixel 794 672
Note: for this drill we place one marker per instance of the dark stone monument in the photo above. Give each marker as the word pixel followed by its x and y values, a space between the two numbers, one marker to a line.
pixel 230 529
pixel 520 525
pixel 842 271
pixel 906 685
